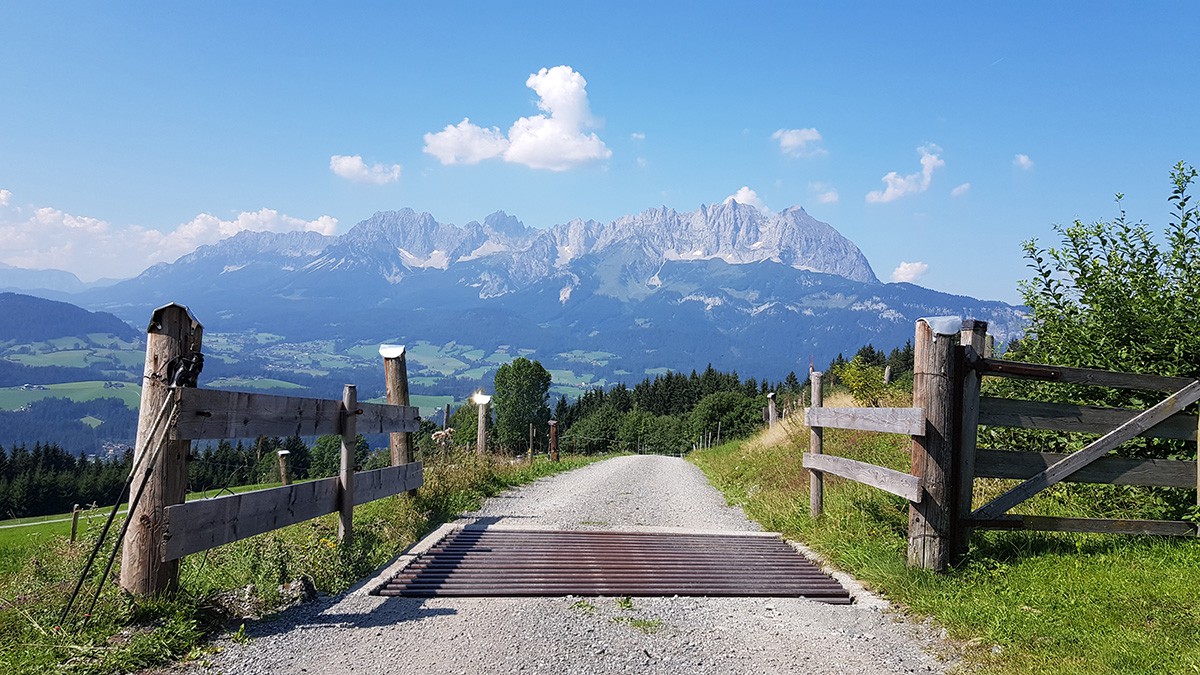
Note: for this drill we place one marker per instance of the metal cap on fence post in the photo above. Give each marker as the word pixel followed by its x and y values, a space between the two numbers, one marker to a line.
pixel 930 520
pixel 173 341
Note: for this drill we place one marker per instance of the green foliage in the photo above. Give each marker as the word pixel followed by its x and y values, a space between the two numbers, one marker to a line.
pixel 731 413
pixel 1110 296
pixel 522 397
pixel 327 455
pixel 864 379
pixel 1021 603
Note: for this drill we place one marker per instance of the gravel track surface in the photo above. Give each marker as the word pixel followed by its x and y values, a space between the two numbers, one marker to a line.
pixel 359 633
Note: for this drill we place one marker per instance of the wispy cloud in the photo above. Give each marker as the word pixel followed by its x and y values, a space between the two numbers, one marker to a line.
pixel 909 272
pixel 799 142
pixel 352 167
pixel 1022 161
pixel 900 186
pixel 745 195
pixel 5 197
pixel 825 193
pixel 637 136
pixel 555 141
pixel 961 190
pixel 46 237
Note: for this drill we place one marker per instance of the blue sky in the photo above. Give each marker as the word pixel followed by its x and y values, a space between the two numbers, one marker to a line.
pixel 132 132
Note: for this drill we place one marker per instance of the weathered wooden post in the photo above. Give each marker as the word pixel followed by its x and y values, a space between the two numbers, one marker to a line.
pixel 930 520
pixel 74 522
pixel 973 335
pixel 346 474
pixel 553 440
pixel 446 417
pixel 173 341
pixel 772 415
pixel 283 466
pixel 395 374
pixel 481 401
pixel 816 479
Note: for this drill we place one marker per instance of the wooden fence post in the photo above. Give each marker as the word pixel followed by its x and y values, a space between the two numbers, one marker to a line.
pixel 481 402
pixel 553 440
pixel 816 479
pixel 173 338
pixel 346 476
pixel 395 375
pixel 74 522
pixel 929 521
pixel 973 335
pixel 283 466
pixel 772 414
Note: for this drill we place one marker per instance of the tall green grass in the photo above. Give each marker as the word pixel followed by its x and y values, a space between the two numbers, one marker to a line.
pixel 1022 602
pixel 227 583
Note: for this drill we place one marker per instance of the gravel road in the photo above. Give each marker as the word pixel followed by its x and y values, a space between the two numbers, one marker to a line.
pixel 359 633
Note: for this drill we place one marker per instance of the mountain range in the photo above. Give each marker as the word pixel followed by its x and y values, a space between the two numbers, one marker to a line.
pixel 759 292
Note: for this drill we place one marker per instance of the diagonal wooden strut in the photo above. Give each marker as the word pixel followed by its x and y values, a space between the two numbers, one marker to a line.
pixel 1057 472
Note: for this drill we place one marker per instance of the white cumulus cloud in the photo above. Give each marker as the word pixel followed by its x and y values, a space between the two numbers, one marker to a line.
pixel 92 248
pixel 961 190
pixel 796 142
pixel 556 140
pixel 465 143
pixel 900 186
pixel 1022 161
pixel 5 197
pixel 746 196
pixel 824 192
pixel 637 136
pixel 352 167
pixel 909 271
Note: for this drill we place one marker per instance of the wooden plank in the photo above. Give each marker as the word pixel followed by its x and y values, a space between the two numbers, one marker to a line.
pixel 1110 470
pixel 206 523
pixel 907 421
pixel 1055 474
pixel 888 480
pixel 388 481
pixel 212 414
pixel 378 418
pixel 1162 528
pixel 1068 375
pixel 1005 412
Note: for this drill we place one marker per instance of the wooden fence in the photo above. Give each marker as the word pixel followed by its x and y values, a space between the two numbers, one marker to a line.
pixel 944 425
pixel 164 528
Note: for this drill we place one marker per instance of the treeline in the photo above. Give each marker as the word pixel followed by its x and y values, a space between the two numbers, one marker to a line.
pixel 47 479
pixel 670 413
pixel 61 422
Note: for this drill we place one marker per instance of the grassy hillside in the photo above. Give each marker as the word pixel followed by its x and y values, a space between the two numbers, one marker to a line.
pixel 1022 602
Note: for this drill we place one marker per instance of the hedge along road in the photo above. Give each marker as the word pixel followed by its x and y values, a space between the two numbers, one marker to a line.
pixel 361 633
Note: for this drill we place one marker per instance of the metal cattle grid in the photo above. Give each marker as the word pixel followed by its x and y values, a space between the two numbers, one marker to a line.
pixel 479 562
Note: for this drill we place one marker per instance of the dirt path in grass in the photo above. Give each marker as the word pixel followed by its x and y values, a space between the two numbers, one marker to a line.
pixel 360 633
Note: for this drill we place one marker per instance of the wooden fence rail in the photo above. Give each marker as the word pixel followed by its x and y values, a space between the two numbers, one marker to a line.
pixel 944 425
pixel 164 527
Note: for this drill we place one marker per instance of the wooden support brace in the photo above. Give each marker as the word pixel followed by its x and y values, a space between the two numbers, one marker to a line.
pixel 1057 473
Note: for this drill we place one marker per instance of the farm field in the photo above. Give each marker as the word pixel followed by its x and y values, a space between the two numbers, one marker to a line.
pixel 12 398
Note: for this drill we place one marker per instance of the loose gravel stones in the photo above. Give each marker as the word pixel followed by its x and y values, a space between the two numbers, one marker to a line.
pixel 360 633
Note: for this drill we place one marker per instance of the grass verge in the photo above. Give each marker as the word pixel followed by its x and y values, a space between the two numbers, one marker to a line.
pixel 1021 603
pixel 244 579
